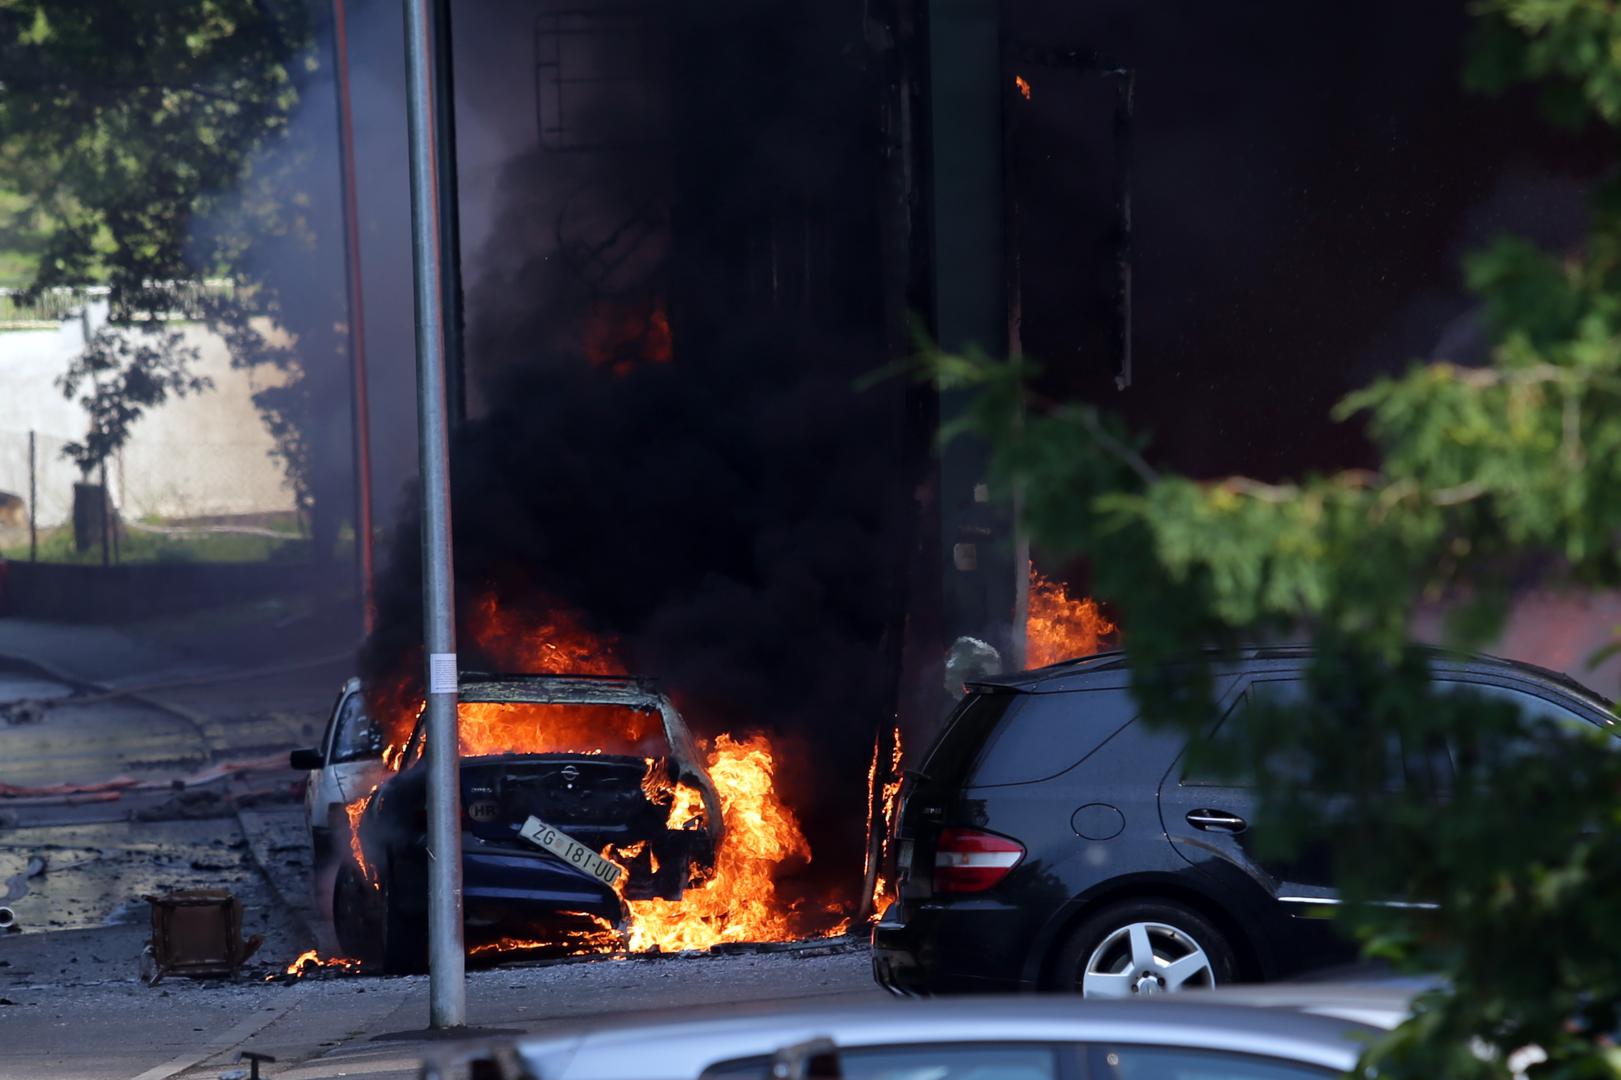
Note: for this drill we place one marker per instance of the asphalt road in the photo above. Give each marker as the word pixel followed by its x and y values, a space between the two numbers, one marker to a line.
pixel 71 1003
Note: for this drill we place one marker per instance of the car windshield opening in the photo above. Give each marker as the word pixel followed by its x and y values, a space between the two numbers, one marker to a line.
pixel 527 727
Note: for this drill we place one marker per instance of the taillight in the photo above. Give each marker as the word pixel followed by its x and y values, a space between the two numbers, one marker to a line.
pixel 966 860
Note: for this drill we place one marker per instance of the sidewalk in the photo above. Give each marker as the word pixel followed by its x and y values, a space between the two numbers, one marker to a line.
pixel 374 1027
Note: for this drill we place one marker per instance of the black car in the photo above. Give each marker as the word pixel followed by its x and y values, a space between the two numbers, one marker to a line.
pixel 567 782
pixel 1051 841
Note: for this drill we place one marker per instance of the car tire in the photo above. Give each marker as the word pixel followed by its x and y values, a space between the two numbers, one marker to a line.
pixel 354 916
pixel 404 945
pixel 1144 947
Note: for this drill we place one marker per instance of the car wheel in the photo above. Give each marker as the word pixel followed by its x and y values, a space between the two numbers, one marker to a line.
pixel 1146 947
pixel 354 916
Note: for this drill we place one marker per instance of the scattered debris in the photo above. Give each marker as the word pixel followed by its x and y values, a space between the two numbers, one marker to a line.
pixel 196 933
pixel 22 712
pixel 253 1059
pixel 309 962
pixel 186 803
pixel 17 885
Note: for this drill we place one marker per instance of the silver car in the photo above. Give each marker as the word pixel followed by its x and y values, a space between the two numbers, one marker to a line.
pixel 347 765
pixel 1305 1033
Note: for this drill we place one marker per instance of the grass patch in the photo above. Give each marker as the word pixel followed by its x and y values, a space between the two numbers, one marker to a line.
pixel 135 546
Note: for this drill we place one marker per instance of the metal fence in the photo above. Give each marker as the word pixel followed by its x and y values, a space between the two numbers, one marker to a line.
pixel 36 486
pixel 161 300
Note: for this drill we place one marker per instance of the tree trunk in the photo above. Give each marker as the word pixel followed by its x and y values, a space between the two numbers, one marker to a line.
pixel 91 511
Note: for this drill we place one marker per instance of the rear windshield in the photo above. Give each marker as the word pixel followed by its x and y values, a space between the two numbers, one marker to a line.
pixel 527 727
pixel 965 732
pixel 1049 734
pixel 997 739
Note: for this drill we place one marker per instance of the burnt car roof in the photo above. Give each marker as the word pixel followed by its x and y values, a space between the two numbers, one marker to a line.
pixel 626 690
pixel 1114 665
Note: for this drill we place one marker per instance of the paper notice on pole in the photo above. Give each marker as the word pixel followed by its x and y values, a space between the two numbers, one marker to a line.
pixel 442 673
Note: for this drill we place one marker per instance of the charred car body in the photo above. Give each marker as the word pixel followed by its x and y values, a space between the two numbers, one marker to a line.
pixel 606 764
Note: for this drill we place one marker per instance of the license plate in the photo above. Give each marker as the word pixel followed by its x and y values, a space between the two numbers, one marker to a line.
pixel 570 850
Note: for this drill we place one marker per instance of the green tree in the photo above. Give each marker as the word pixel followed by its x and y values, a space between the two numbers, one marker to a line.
pixel 1490 476
pixel 145 144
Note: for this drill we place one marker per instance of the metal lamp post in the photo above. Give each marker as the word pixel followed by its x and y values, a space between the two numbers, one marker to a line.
pixel 447 988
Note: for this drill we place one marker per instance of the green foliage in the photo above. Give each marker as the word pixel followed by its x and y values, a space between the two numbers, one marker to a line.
pixel 133 138
pixel 1490 477
pixel 123 121
pixel 126 375
pixel 1569 47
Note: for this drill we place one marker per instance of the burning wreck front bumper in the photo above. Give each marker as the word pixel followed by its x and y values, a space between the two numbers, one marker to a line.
pixel 978 946
pixel 506 886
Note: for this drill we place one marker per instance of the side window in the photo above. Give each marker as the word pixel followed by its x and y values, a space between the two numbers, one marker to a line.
pixel 1531 706
pixel 1226 759
pixel 1049 733
pixel 1178 1063
pixel 356 737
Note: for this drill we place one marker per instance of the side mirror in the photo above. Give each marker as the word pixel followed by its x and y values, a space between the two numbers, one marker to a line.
pixel 815 1059
pixel 306 759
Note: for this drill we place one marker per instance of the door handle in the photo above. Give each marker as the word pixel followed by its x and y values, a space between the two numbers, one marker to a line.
pixel 1216 821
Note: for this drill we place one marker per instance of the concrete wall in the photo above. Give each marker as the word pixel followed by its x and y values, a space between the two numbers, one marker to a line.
pixel 202 455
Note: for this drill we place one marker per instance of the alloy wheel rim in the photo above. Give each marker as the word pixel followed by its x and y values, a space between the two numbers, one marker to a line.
pixel 1146 958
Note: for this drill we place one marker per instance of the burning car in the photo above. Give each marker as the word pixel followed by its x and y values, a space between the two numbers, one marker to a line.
pixel 578 793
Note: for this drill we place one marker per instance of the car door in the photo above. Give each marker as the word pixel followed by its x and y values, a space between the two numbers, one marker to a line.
pixel 1209 818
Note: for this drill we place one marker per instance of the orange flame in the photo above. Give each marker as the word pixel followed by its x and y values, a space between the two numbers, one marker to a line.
pixel 506 727
pixel 354 810
pixel 309 960
pixel 620 334
pixel 1023 84
pixel 885 816
pixel 739 902
pixel 1059 627
pixel 600 937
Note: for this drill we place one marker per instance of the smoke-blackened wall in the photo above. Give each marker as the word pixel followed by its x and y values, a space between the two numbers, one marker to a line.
pixel 667 324
pixel 1307 180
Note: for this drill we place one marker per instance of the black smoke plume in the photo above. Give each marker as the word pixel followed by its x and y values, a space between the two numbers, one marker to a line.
pixel 669 331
